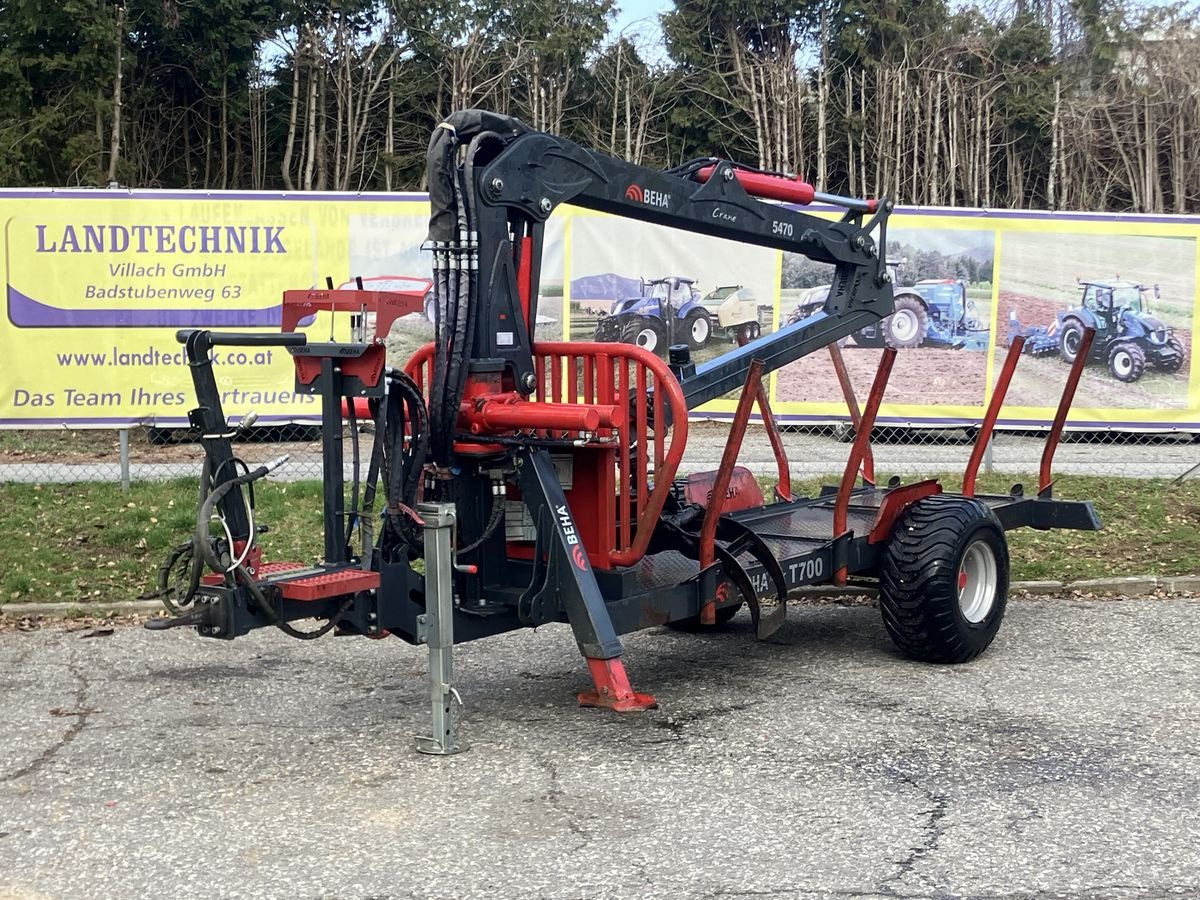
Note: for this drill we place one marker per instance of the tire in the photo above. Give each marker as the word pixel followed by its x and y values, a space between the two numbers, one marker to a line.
pixel 943 583
pixel 905 328
pixel 1068 340
pixel 431 308
pixel 1126 361
pixel 646 334
pixel 1174 365
pixel 692 623
pixel 697 328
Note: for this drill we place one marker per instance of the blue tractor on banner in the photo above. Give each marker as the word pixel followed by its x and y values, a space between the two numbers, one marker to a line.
pixel 934 312
pixel 1128 337
pixel 667 310
pixel 670 311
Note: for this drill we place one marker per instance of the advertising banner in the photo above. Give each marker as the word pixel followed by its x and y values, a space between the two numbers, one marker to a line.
pixel 966 282
pixel 98 282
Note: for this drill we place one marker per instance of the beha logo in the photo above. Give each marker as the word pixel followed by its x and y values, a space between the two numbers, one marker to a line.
pixel 647 197
pixel 579 557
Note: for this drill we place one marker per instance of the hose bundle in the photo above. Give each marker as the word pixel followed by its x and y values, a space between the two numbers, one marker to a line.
pixel 401 446
pixel 455 243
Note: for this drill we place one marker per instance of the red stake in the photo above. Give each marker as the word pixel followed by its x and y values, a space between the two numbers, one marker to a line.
pixel 839 366
pixel 862 440
pixel 993 413
pixel 712 513
pixel 783 489
pixel 1064 406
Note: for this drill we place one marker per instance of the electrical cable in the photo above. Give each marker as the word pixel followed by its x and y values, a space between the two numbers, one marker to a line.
pixel 494 520
pixel 275 619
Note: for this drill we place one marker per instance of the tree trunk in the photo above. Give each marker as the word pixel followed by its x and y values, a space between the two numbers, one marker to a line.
pixel 293 115
pixel 114 144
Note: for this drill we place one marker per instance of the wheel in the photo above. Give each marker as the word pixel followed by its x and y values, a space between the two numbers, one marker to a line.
pixel 1068 340
pixel 747 333
pixel 698 328
pixel 905 328
pixel 943 583
pixel 431 308
pixel 1172 366
pixel 692 623
pixel 646 334
pixel 1126 361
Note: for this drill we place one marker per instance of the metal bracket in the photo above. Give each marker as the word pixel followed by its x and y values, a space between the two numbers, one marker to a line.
pixel 436 627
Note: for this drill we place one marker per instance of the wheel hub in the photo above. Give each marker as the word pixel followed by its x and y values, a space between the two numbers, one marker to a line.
pixel 977 581
pixel 904 325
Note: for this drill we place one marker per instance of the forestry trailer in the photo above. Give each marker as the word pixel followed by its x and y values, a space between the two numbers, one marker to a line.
pixel 525 483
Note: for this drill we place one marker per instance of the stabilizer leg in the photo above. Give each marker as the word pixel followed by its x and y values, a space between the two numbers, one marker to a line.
pixel 439 631
pixel 613 690
pixel 571 584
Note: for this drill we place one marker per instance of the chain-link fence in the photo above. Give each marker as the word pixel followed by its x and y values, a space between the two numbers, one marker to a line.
pixel 155 454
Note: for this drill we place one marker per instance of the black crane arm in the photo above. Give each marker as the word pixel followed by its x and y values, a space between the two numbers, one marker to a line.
pixel 517 177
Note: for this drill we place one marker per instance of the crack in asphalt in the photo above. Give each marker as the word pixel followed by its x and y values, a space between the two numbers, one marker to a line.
pixel 555 795
pixel 677 723
pixel 932 830
pixel 82 714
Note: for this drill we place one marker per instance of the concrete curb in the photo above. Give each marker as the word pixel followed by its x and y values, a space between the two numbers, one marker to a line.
pixel 1127 586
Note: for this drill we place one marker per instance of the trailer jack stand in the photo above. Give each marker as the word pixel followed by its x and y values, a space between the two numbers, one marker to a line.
pixel 438 623
pixel 613 690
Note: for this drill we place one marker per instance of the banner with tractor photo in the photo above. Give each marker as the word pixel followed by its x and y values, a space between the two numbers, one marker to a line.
pixel 966 282
pixel 98 282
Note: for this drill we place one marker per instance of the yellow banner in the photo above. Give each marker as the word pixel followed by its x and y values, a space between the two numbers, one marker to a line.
pixel 98 283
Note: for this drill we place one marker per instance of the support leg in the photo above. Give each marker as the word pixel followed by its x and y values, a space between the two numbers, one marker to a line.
pixel 571 584
pixel 439 630
pixel 613 689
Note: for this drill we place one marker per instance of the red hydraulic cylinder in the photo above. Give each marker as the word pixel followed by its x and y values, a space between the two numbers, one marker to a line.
pixel 772 187
pixel 788 188
pixel 506 412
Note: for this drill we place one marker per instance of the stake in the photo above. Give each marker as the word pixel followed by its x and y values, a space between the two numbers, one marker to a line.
pixel 983 440
pixel 1045 482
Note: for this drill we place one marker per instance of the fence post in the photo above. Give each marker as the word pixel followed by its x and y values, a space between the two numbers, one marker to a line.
pixel 123 437
pixel 987 455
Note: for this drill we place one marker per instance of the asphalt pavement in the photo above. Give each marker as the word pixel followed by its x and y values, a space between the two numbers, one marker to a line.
pixel 1062 764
